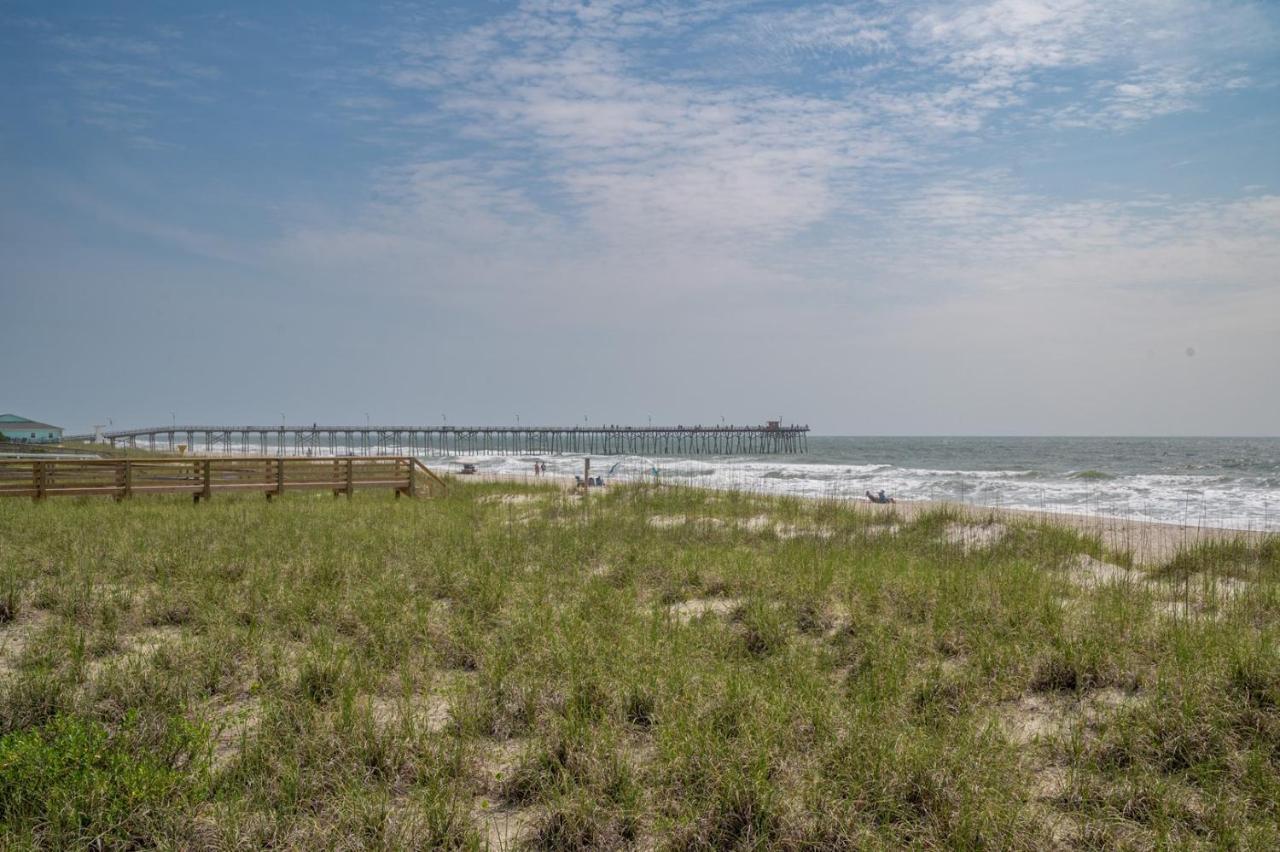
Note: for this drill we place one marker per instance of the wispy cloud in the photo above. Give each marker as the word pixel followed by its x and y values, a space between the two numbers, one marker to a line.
pixel 637 154
pixel 117 78
pixel 983 236
pixel 1147 93
pixel 603 131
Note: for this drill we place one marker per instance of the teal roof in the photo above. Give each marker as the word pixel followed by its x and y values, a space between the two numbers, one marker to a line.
pixel 15 420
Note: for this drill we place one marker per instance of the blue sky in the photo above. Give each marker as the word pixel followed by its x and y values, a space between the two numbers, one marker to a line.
pixel 995 217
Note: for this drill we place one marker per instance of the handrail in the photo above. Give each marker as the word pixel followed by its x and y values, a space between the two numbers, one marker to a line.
pixel 370 439
pixel 418 465
pixel 613 429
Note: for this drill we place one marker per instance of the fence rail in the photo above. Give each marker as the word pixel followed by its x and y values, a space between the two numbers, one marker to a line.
pixel 203 477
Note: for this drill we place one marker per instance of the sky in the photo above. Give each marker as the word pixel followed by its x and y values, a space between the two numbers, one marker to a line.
pixel 992 217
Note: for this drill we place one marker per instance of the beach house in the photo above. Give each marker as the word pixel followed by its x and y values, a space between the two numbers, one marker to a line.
pixel 23 431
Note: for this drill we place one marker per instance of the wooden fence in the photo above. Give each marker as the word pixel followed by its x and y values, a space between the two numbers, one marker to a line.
pixel 202 477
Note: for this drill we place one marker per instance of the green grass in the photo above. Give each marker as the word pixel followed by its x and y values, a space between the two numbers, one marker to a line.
pixel 86 448
pixel 1241 559
pixel 647 668
pixel 71 779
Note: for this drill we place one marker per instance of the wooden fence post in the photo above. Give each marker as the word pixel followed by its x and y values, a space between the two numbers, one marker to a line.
pixel 280 475
pixel 208 479
pixel 124 479
pixel 350 477
pixel 38 475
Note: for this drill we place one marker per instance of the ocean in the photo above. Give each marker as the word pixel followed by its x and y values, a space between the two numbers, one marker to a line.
pixel 1208 482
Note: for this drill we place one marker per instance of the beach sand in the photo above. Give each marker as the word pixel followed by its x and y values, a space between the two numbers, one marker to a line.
pixel 1148 542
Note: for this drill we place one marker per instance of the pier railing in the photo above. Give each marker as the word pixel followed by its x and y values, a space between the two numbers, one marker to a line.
pixel 203 477
pixel 374 440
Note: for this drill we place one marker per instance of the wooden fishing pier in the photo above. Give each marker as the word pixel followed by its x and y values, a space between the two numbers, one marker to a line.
pixel 317 440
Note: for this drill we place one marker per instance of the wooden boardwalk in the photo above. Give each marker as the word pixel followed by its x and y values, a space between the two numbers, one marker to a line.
pixel 203 477
pixel 771 438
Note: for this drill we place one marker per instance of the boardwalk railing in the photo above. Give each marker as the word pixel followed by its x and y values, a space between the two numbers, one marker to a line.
pixel 203 477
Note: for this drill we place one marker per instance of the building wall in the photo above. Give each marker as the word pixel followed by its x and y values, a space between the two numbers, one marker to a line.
pixel 30 436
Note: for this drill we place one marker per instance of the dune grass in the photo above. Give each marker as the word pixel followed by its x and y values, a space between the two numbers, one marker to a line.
pixel 512 666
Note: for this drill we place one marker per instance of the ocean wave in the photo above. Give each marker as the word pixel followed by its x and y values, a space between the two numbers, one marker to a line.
pixel 969 474
pixel 1206 499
